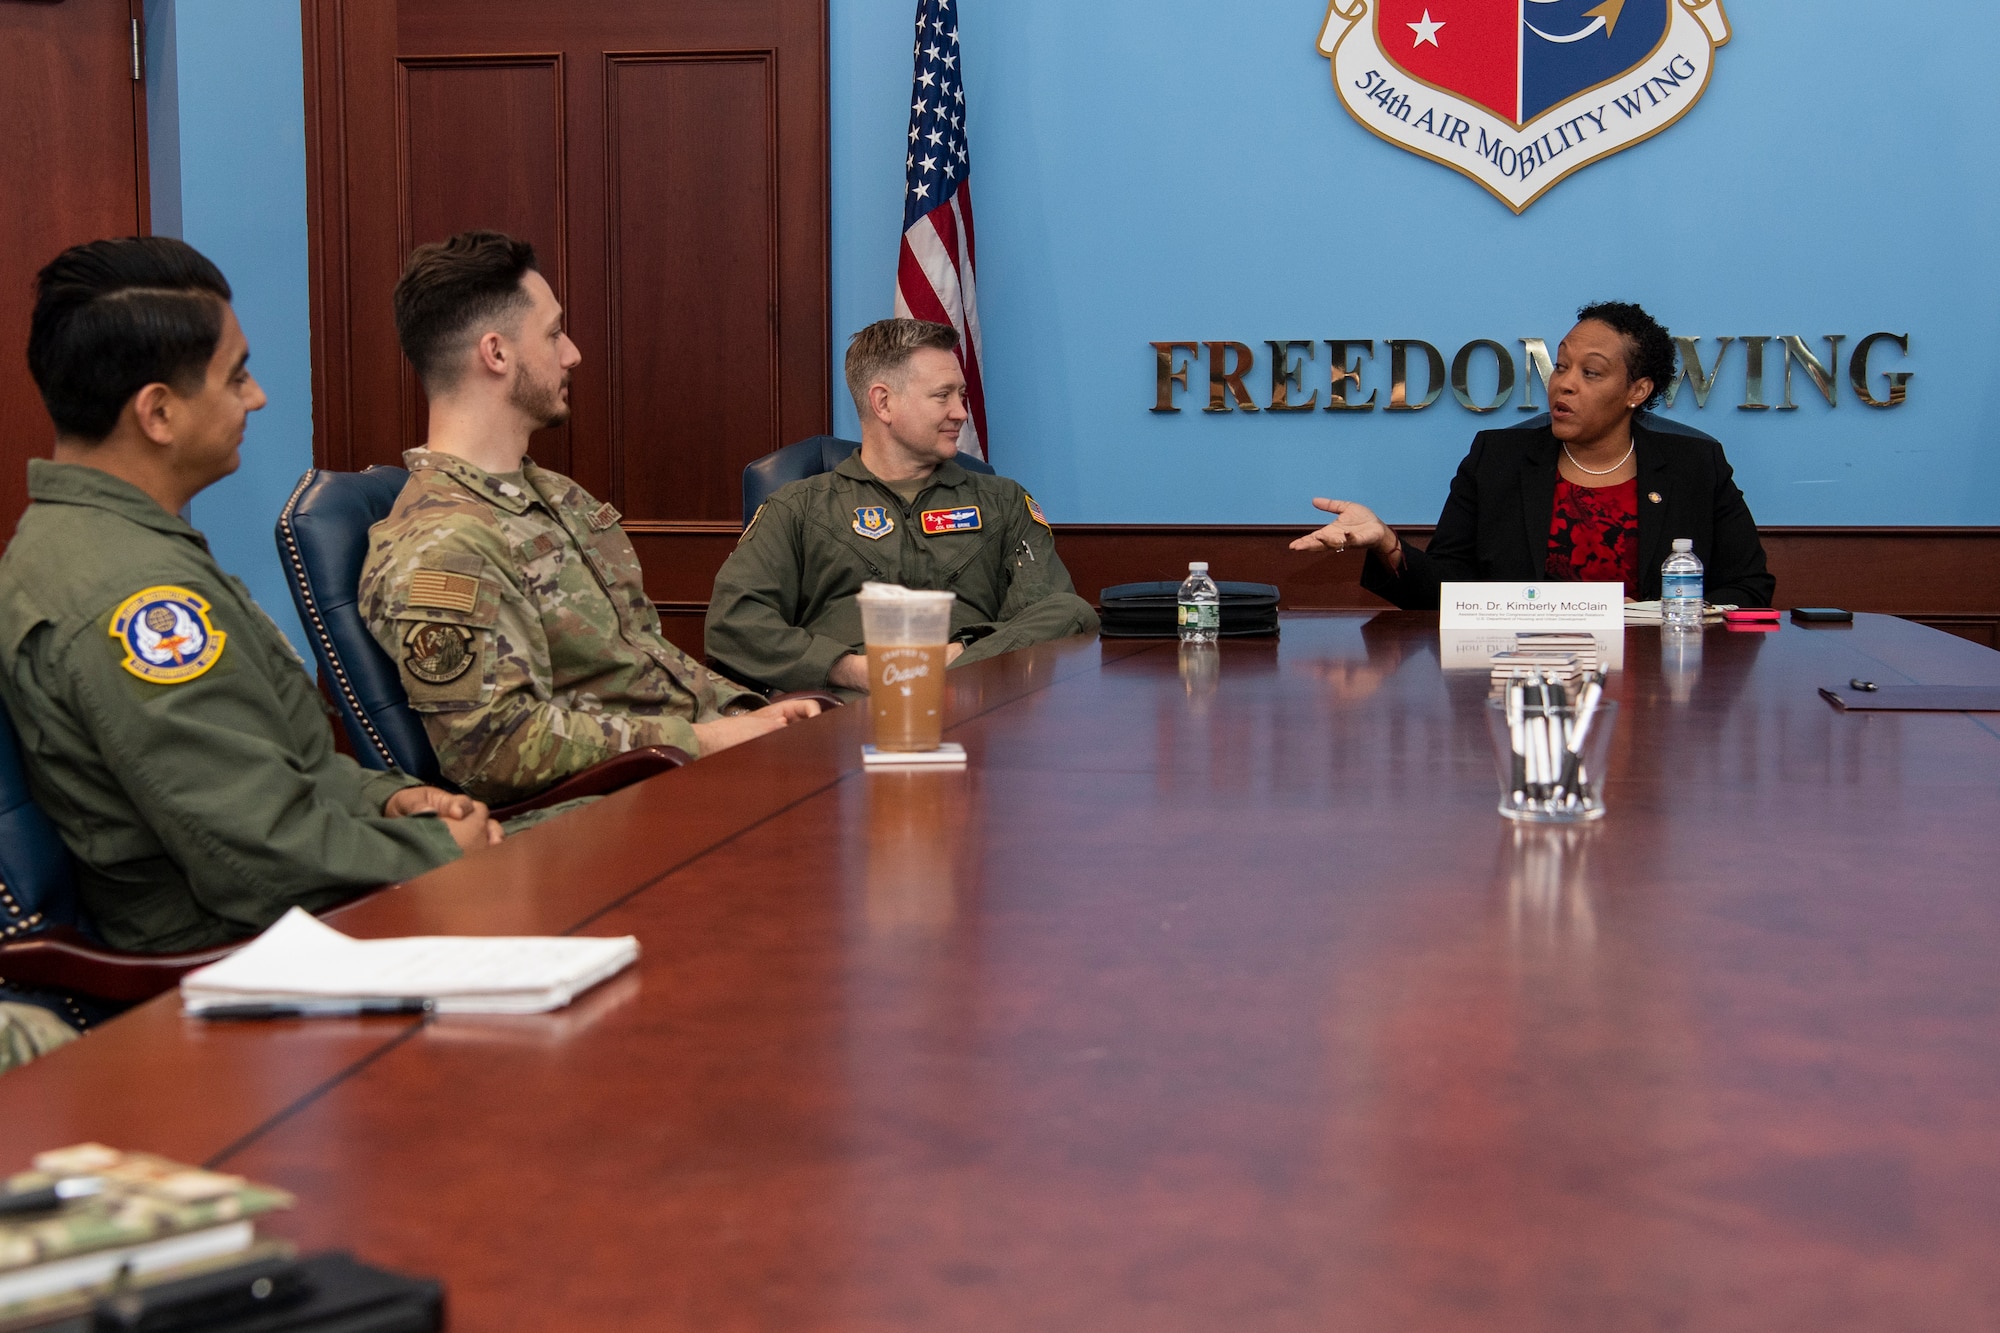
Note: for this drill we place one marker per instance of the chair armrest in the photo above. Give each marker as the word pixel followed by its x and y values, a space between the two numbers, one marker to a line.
pixel 614 774
pixel 59 958
pixel 824 698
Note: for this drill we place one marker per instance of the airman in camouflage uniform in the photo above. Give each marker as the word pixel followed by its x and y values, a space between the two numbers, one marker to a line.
pixel 516 613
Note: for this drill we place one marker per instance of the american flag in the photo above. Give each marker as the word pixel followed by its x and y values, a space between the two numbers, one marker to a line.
pixel 934 271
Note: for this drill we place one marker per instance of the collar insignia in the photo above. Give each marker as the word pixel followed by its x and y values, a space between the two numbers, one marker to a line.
pixel 873 522
pixel 167 636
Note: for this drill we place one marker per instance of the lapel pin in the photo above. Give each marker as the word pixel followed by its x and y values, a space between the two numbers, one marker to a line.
pixel 1654 496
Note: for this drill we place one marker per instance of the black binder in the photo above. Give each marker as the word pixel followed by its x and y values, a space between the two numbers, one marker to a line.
pixel 1151 610
pixel 328 1293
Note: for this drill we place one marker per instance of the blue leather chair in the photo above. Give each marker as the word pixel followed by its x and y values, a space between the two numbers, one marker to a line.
pixel 323 541
pixel 45 937
pixel 37 887
pixel 809 458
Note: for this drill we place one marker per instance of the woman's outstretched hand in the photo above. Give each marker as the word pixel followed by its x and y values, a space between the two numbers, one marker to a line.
pixel 1355 527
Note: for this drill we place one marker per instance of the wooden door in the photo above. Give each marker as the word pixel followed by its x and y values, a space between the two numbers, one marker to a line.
pixel 72 168
pixel 667 158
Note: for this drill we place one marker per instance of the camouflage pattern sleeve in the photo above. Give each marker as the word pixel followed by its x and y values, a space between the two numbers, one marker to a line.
pixel 753 613
pixel 1041 602
pixel 446 602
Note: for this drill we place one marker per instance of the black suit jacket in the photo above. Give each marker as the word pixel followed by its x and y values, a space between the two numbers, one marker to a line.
pixel 1495 524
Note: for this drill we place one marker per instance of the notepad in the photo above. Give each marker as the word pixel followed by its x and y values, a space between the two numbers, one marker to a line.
pixel 302 958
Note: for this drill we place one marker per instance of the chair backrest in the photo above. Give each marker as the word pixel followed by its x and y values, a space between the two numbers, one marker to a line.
pixel 323 540
pixel 37 879
pixel 809 458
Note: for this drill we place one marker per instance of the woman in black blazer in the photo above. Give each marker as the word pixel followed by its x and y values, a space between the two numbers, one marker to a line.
pixel 1596 491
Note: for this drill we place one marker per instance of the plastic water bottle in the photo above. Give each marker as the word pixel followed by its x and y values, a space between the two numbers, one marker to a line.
pixel 1200 605
pixel 1680 587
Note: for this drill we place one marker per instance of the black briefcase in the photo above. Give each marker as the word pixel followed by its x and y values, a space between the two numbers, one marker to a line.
pixel 1152 610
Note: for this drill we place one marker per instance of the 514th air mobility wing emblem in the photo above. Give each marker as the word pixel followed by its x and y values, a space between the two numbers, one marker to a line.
pixel 1517 94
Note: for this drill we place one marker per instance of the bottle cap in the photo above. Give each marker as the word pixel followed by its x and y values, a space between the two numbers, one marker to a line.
pixel 1197 566
pixel 1683 543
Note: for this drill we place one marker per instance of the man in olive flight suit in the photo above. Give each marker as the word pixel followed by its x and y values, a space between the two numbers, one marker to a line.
pixel 899 510
pixel 510 599
pixel 167 727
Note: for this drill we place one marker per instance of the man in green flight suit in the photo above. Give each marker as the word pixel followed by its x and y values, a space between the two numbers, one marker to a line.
pixel 167 727
pixel 510 599
pixel 899 510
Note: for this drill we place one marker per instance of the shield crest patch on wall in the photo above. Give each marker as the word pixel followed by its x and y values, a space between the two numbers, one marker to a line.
pixel 1520 94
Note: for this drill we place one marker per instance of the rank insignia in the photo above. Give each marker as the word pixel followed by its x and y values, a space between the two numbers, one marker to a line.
pixel 965 518
pixel 752 524
pixel 437 654
pixel 166 635
pixel 873 522
pixel 1035 512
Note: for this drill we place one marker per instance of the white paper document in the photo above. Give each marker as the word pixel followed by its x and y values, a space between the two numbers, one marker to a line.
pixel 302 958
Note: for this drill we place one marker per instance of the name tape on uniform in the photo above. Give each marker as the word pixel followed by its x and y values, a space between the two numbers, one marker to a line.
pixel 965 518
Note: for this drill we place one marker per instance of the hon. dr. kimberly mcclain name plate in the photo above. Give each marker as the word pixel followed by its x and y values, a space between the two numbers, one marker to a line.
pixel 1469 611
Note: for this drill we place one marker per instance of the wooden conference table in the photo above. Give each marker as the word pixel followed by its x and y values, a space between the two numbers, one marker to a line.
pixel 1210 996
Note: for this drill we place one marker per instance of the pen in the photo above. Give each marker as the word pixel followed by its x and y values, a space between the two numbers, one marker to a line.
pixel 414 1004
pixel 49 1197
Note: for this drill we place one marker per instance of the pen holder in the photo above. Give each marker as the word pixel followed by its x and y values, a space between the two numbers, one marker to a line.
pixel 1551 760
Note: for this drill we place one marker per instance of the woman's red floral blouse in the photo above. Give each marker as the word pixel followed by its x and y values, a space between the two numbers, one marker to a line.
pixel 1594 534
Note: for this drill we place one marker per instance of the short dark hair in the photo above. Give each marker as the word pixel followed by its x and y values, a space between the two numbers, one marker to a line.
pixel 1649 351
pixel 885 347
pixel 112 317
pixel 448 289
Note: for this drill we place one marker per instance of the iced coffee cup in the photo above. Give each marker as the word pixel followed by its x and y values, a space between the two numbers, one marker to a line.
pixel 905 632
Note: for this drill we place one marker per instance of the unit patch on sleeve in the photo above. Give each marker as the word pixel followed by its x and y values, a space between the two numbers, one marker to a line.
pixel 1035 512
pixel 444 591
pixel 603 517
pixel 166 635
pixel 437 654
pixel 873 522
pixel 965 518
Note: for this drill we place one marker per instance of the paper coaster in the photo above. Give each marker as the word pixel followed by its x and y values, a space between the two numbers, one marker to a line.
pixel 949 755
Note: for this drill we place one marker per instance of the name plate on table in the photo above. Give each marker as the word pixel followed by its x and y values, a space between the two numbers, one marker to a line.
pixel 1477 620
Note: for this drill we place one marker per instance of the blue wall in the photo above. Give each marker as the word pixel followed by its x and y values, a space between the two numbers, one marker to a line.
pixel 1179 169
pixel 1182 170
pixel 226 124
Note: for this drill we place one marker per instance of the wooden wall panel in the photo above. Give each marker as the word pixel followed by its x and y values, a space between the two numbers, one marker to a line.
pixel 695 367
pixel 72 169
pixel 502 168
pixel 674 155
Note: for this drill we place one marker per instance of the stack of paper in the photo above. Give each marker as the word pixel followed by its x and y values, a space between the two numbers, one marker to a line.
pixel 1649 613
pixel 1582 646
pixel 302 959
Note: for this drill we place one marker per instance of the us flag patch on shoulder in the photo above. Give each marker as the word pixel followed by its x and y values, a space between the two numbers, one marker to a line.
pixel 1035 512
pixel 443 591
